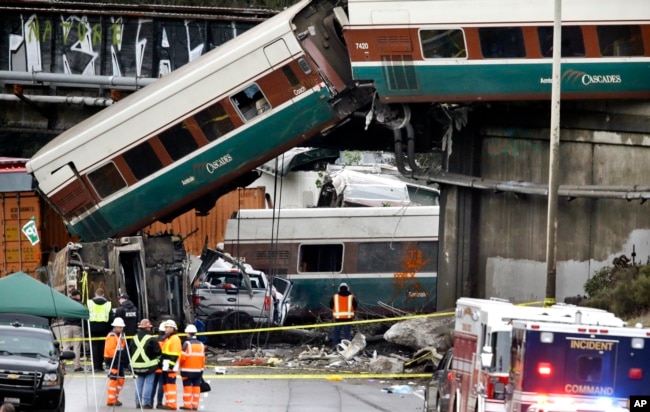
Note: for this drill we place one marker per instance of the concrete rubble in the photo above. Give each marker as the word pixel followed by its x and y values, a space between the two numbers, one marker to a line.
pixel 408 346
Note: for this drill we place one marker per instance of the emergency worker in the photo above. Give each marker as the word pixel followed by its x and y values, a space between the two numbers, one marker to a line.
pixel 99 316
pixel 192 365
pixel 158 380
pixel 343 305
pixel 145 357
pixel 171 353
pixel 129 312
pixel 115 359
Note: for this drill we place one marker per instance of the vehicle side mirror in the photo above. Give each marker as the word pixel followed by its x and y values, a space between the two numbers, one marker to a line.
pixel 486 357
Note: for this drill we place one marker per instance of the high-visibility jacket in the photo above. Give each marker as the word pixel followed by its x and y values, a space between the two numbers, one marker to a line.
pixel 140 360
pixel 172 349
pixel 113 344
pixel 193 356
pixel 343 307
pixel 99 313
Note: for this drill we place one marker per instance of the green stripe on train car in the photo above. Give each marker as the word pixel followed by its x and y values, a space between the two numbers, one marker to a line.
pixel 506 79
pixel 413 294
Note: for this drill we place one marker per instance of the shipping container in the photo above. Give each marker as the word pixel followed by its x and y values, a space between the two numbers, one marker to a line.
pixel 212 227
pixel 18 206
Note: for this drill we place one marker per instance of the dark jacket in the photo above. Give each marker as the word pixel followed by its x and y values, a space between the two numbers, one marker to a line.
pixel 129 313
pixel 151 349
pixel 73 321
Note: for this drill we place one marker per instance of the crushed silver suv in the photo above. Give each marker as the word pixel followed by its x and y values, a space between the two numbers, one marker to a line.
pixel 232 295
pixel 31 375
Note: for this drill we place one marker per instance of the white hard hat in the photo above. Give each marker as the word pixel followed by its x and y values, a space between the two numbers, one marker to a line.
pixel 118 322
pixel 161 328
pixel 170 324
pixel 190 329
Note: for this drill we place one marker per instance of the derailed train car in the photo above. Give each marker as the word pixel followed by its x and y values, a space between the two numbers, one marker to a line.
pixel 153 271
pixel 195 134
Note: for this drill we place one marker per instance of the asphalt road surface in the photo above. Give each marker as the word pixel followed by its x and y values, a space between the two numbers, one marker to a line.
pixel 263 393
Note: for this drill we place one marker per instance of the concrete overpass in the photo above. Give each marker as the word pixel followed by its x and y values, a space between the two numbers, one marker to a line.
pixel 63 61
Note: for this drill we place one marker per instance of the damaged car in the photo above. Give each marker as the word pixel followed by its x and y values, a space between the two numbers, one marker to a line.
pixel 231 295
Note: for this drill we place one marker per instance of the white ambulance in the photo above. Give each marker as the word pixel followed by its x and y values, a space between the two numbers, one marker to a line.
pixel 484 356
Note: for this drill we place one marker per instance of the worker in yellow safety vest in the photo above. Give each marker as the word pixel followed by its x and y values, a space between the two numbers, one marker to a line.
pixel 99 316
pixel 171 353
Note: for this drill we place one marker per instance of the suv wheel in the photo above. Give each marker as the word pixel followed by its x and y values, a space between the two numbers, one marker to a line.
pixel 62 405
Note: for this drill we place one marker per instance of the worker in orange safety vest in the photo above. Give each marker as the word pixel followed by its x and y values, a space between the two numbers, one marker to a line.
pixel 116 357
pixel 343 305
pixel 158 382
pixel 192 365
pixel 171 353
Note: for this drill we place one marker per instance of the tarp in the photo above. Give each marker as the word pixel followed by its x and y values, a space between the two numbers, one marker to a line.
pixel 21 293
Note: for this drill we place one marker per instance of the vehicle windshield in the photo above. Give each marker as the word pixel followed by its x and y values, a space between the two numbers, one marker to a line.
pixel 228 280
pixel 26 343
pixel 501 345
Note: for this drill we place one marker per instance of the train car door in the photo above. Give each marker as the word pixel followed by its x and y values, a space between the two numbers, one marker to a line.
pixel 283 288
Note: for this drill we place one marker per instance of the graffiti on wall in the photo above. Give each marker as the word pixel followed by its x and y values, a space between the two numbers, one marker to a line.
pixel 107 45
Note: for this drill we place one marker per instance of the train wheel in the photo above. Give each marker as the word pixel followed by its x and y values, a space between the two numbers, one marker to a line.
pixel 237 321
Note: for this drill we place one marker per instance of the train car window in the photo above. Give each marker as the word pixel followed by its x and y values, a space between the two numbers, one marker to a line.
pixel 380 257
pixel 291 76
pixel 142 160
pixel 250 102
pixel 214 121
pixel 106 180
pixel 442 44
pixel 178 141
pixel 501 42
pixel 572 42
pixel 620 40
pixel 304 66
pixel 321 258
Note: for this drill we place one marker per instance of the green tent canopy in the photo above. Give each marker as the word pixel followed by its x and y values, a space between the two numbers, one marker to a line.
pixel 21 293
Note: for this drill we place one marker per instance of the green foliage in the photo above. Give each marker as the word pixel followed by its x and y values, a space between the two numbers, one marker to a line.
pixel 623 290
pixel 599 282
pixel 319 181
pixel 351 157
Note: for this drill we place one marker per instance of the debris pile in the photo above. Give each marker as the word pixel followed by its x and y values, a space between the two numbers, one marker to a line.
pixel 410 346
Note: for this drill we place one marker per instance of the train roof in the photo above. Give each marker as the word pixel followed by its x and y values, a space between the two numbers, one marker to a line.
pixel 335 225
pixel 318 212
pixel 485 12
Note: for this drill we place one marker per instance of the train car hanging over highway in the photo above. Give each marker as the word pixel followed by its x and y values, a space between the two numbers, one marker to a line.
pixel 197 133
pixel 483 50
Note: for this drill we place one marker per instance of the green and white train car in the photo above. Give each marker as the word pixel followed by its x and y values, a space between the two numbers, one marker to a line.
pixel 387 255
